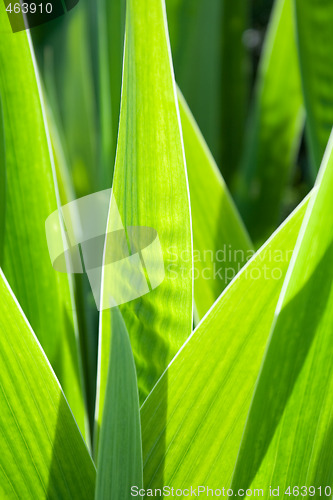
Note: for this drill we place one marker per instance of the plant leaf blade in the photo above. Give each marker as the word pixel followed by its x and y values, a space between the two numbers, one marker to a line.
pixel 314 22
pixel 275 127
pixel 221 244
pixel 31 195
pixel 42 451
pixel 301 336
pixel 120 450
pixel 183 441
pixel 150 190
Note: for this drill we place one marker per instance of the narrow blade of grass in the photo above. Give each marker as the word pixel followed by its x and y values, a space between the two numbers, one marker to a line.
pixel 315 43
pixel 234 85
pixel 275 127
pixel 221 244
pixel 87 314
pixel 120 450
pixel 70 87
pixel 111 27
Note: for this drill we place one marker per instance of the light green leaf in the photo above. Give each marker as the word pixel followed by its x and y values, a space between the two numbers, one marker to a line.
pixel 275 127
pixel 43 454
pixel 44 295
pixel 209 236
pixel 2 182
pixel 288 432
pixel 120 450
pixel 220 241
pixel 315 42
pixel 150 188
pixel 193 419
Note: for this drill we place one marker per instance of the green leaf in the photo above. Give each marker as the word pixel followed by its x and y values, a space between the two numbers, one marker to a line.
pixel 220 241
pixel 64 181
pixel 2 182
pixel 43 454
pixel 315 42
pixel 211 67
pixel 31 196
pixel 87 314
pixel 69 83
pixel 288 432
pixel 150 188
pixel 275 127
pixel 234 85
pixel 76 98
pixel 193 419
pixel 120 450
pixel 199 163
pixel 111 26
pixel 196 43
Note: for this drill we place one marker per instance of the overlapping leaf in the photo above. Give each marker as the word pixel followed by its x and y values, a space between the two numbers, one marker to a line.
pixel 221 244
pixel 150 188
pixel 193 419
pixel 30 198
pixel 120 450
pixel 43 454
pixel 288 431
pixel 76 96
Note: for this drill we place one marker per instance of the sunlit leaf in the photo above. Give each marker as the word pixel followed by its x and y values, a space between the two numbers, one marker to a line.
pixel 289 426
pixel 43 454
pixel 150 189
pixel 120 450
pixel 31 195
pixel 211 68
pixel 2 182
pixel 220 241
pixel 192 421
